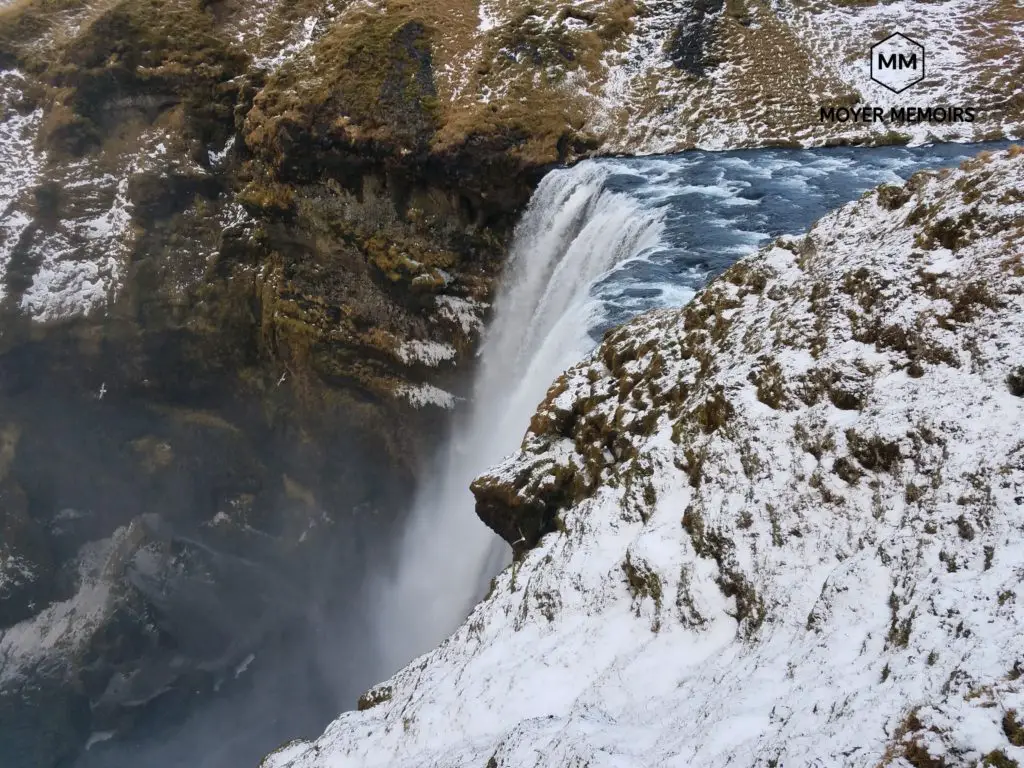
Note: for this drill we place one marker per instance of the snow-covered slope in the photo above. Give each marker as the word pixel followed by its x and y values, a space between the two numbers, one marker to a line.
pixel 783 526
pixel 752 73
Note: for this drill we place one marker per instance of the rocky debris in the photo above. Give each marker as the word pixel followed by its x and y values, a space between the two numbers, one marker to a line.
pixel 145 615
pixel 761 528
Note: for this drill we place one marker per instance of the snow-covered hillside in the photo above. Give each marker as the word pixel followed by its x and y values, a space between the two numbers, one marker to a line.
pixel 563 81
pixel 783 526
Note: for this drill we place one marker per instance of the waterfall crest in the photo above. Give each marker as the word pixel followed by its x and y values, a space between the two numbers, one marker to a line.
pixel 573 231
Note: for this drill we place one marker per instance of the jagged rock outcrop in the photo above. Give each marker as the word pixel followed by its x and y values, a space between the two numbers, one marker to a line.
pixel 780 526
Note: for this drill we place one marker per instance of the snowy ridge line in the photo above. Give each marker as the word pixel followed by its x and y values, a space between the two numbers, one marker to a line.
pixel 748 95
pixel 772 538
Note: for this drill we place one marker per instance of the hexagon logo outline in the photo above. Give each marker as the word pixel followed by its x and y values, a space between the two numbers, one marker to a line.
pixel 899 59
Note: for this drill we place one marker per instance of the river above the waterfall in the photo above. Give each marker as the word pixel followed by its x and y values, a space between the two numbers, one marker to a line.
pixel 718 207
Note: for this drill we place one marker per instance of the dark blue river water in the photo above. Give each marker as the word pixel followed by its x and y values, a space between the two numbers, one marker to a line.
pixel 716 207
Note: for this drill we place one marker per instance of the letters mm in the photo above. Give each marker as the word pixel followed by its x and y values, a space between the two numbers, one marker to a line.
pixel 897 61
pixel 891 63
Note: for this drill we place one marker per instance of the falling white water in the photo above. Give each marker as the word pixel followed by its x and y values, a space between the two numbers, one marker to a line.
pixel 573 232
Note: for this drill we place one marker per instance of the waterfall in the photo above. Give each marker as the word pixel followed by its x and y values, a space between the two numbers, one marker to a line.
pixel 573 231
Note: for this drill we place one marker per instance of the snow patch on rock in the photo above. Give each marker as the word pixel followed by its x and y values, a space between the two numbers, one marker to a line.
pixel 465 313
pixel 423 395
pixel 55 634
pixel 431 353
pixel 19 163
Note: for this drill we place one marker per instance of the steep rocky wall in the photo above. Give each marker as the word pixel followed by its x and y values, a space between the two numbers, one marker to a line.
pixel 223 355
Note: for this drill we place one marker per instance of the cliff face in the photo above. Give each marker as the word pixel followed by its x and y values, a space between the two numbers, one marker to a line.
pixel 780 526
pixel 228 337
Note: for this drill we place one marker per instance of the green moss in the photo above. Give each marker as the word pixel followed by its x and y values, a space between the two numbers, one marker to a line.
pixel 407 260
pixel 369 79
pixel 268 197
pixel 999 759
pixel 140 57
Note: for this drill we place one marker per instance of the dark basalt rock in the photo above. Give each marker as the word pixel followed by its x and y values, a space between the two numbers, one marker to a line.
pixel 687 46
pixel 520 511
pixel 26 563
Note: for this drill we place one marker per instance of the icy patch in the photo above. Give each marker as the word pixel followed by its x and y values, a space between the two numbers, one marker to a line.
pixel 430 353
pixel 465 313
pixel 423 395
